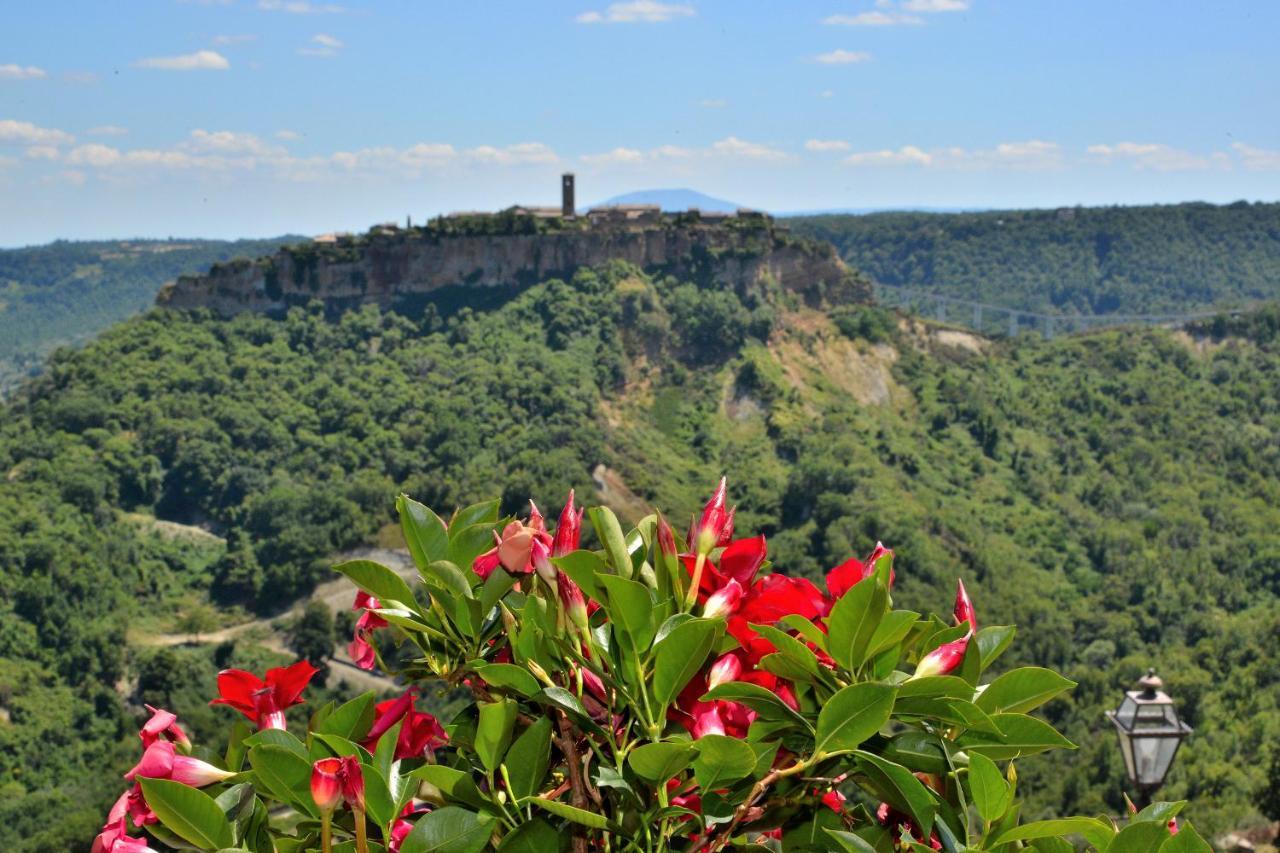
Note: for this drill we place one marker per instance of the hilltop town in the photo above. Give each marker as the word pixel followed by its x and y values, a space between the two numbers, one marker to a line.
pixel 517 247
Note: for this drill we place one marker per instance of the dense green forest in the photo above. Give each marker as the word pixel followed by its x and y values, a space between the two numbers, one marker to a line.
pixel 1119 491
pixel 65 292
pixel 1084 260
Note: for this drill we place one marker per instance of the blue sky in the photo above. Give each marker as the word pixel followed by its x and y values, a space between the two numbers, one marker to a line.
pixel 257 117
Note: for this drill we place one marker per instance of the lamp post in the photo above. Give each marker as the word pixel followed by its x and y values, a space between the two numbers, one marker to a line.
pixel 1150 732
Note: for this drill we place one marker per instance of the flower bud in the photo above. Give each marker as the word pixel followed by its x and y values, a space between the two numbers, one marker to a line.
pixel 963 611
pixel 572 600
pixel 352 778
pixel 197 773
pixel 326 783
pixel 943 659
pixel 568 530
pixel 540 556
pixel 724 601
pixel 726 668
pixel 714 527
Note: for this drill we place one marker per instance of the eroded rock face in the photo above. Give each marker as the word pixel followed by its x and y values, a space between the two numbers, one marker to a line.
pixel 380 268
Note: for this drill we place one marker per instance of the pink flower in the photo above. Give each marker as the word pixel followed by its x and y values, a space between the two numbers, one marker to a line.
pixel 964 611
pixel 162 761
pixel 420 733
pixel 724 601
pixel 264 700
pixel 163 724
pixel 114 838
pixel 514 548
pixel 726 668
pixel 707 720
pixel 363 654
pixel 568 530
pixel 326 783
pixel 572 600
pixel 943 659
pixel 715 527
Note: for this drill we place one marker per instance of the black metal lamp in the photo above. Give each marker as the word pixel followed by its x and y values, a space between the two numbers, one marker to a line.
pixel 1150 732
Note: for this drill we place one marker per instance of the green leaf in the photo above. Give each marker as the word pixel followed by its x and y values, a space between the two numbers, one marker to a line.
pixel 493 734
pixel 377 797
pixel 853 622
pixel 456 785
pixel 1186 841
pixel 424 532
pixel 630 607
pixel 485 512
pixel 764 702
pixel 1096 832
pixel 917 751
pixel 935 686
pixel 283 773
pixel 528 758
pixel 188 812
pixel 1022 690
pixel 583 567
pixel 532 836
pixel 445 575
pixel 657 762
pixel 1161 811
pixel 897 786
pixel 790 648
pixel 1019 735
pixel 380 582
pixel 722 759
pixel 1146 837
pixel 989 789
pixel 681 654
pixel 467 543
pixel 495 587
pixel 278 737
pixel 610 533
pixel 510 677
pixel 449 830
pixel 852 715
pixel 351 720
pixel 992 641
pixel 891 631
pixel 573 814
pixel 806 629
pixel 850 842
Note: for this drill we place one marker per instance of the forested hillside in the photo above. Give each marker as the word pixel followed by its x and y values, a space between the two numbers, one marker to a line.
pixel 1119 491
pixel 1084 260
pixel 65 292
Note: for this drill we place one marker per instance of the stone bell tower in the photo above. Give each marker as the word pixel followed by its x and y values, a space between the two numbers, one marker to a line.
pixel 566 195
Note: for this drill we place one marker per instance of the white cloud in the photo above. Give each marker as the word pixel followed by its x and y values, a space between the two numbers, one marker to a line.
pixel 826 145
pixel 201 60
pixel 107 130
pixel 1031 155
pixel 728 148
pixel 935 5
pixel 734 147
pixel 524 153
pixel 300 7
pixel 234 39
pixel 26 133
pixel 637 12
pixel 22 72
pixel 231 142
pixel 323 45
pixel 288 135
pixel 94 154
pixel 618 156
pixel 873 19
pixel 1153 155
pixel 842 57
pixel 1256 159
pixel 42 152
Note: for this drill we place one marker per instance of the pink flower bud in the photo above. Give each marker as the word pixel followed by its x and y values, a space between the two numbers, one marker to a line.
pixel 572 601
pixel 352 782
pixel 197 773
pixel 724 601
pixel 568 530
pixel 326 783
pixel 964 608
pixel 726 668
pixel 706 721
pixel 163 725
pixel 540 556
pixel 943 659
pixel 715 527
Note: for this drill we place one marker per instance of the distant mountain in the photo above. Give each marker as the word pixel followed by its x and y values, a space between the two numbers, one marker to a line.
pixel 681 199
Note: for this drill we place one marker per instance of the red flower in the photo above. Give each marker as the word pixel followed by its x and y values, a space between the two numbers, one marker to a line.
pixel 352 782
pixel 739 561
pixel 264 701
pixel 420 733
pixel 362 652
pixel 514 548
pixel 715 527
pixel 943 659
pixel 898 822
pixel 163 725
pixel 162 761
pixel 723 602
pixel 568 530
pixel 401 828
pixel 964 611
pixel 114 838
pixel 326 783
pixel 849 573
pixel 833 800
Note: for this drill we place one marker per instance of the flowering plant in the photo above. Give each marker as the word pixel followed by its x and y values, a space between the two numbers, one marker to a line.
pixel 640 696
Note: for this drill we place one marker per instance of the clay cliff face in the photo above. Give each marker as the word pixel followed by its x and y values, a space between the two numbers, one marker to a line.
pixel 383 266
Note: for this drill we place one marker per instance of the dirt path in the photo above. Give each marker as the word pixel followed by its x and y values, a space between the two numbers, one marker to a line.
pixel 337 594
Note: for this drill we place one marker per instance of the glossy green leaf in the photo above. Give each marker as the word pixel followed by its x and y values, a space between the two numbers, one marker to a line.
pixel 765 702
pixel 1146 837
pixel 917 751
pixel 1019 735
pixel 509 676
pixel 494 588
pixel 1187 840
pixel 935 686
pixel 852 715
pixel 610 534
pixel 379 581
pixel 850 842
pixel 424 532
pixel 681 654
pixel 853 622
pixel 576 815
pixel 790 648
pixel 1021 690
pixel 528 758
pixel 493 733
pixel 897 786
pixel 892 630
pixel 992 642
pixel 532 836
pixel 988 787
pixel 583 567
pixel 282 773
pixel 188 812
pixel 467 543
pixel 447 576
pixel 657 762
pixel 379 802
pixel 484 512
pixel 630 607
pixel 351 720
pixel 457 786
pixel 1096 832
pixel 721 760
pixel 449 830
pixel 806 629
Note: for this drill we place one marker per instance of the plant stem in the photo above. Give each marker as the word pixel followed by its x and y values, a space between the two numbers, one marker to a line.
pixel 326 831
pixel 576 783
pixel 362 842
pixel 695 581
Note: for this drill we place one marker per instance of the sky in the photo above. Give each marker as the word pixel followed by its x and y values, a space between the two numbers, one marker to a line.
pixel 237 118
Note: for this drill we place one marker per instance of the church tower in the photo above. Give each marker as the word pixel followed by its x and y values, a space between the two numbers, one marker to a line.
pixel 566 195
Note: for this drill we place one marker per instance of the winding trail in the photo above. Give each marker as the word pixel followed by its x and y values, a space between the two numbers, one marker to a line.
pixel 337 594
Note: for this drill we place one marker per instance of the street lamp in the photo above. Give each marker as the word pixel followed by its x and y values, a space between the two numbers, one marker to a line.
pixel 1150 732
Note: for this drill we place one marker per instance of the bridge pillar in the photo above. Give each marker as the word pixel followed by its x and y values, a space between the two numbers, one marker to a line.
pixel 941 311
pixel 1048 328
pixel 977 318
pixel 1013 324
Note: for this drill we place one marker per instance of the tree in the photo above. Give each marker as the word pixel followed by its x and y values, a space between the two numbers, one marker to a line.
pixel 312 636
